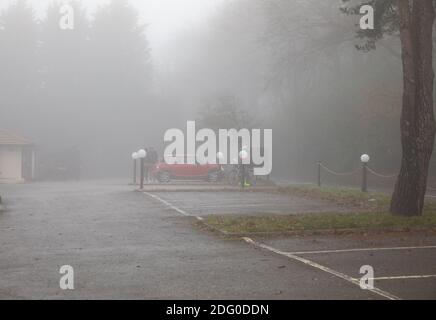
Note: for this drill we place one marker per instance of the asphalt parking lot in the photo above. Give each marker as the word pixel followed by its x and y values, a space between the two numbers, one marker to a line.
pixel 125 244
pixel 404 264
pixel 240 203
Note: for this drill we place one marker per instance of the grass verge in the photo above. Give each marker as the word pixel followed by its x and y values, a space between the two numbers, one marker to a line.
pixel 348 197
pixel 369 221
pixel 367 212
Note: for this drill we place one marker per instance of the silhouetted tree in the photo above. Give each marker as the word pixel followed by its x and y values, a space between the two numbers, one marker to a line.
pixel 65 57
pixel 19 79
pixel 120 55
pixel 414 20
pixel 225 112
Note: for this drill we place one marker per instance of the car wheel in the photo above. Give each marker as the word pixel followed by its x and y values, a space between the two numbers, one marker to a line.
pixel 164 177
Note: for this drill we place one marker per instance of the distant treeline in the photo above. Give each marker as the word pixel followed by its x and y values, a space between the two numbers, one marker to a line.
pixel 85 87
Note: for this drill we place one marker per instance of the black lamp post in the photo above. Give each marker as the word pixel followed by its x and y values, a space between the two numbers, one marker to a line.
pixel 365 159
pixel 319 173
pixel 134 157
pixel 243 155
pixel 141 155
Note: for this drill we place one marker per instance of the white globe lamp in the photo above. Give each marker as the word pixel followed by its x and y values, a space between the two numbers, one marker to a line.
pixel 142 154
pixel 243 154
pixel 365 158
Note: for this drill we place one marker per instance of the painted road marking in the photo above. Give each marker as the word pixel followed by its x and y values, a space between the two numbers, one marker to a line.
pixel 182 212
pixel 323 268
pixel 230 207
pixel 167 204
pixel 292 255
pixel 230 202
pixel 362 249
pixel 406 277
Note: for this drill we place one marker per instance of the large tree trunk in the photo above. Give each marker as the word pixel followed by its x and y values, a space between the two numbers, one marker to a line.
pixel 417 118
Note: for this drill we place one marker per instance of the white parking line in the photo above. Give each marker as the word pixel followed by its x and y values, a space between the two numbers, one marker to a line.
pixel 362 249
pixel 320 267
pixel 406 277
pixel 293 255
pixel 236 206
pixel 172 206
pixel 167 204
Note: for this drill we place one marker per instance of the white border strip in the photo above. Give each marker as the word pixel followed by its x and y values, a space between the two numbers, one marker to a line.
pixel 292 255
pixel 320 267
pixel 182 212
pixel 363 249
pixel 406 277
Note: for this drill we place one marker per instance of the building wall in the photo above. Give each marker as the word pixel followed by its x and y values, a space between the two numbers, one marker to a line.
pixel 10 163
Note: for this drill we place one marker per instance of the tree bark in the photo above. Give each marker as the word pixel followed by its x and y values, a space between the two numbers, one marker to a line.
pixel 417 117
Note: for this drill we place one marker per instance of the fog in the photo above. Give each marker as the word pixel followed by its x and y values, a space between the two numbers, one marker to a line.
pixel 129 71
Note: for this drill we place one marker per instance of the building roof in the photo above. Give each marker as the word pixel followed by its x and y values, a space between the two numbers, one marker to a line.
pixel 9 139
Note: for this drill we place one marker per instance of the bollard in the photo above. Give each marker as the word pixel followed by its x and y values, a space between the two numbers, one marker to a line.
pixel 242 176
pixel 364 177
pixel 319 173
pixel 142 174
pixel 134 172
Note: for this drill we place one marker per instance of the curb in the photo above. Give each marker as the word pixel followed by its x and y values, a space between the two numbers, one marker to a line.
pixel 212 228
pixel 199 189
pixel 319 232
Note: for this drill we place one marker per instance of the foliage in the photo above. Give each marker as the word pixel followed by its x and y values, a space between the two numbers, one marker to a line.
pixel 56 84
pixel 225 112
pixel 386 20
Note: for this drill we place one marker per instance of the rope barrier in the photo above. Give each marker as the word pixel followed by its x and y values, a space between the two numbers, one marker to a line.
pixel 338 173
pixel 369 169
pixel 381 175
pixel 356 171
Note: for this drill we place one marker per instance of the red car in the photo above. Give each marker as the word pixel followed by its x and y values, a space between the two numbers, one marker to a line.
pixel 165 172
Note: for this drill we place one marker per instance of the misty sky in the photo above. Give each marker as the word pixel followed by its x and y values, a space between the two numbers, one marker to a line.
pixel 302 77
pixel 165 18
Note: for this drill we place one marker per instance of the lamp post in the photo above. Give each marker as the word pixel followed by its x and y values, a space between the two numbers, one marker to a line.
pixel 243 155
pixel 364 159
pixel 319 173
pixel 141 155
pixel 134 157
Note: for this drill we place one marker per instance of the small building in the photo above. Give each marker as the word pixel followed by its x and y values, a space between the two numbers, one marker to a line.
pixel 17 158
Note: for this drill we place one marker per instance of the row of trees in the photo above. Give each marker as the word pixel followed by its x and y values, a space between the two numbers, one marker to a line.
pixel 86 87
pixel 325 99
pixel 293 66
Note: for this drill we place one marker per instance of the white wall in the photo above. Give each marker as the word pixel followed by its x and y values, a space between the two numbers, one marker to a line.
pixel 10 163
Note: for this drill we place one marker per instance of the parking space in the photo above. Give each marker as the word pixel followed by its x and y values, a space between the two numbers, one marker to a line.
pixel 243 203
pixel 404 264
pixel 127 245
